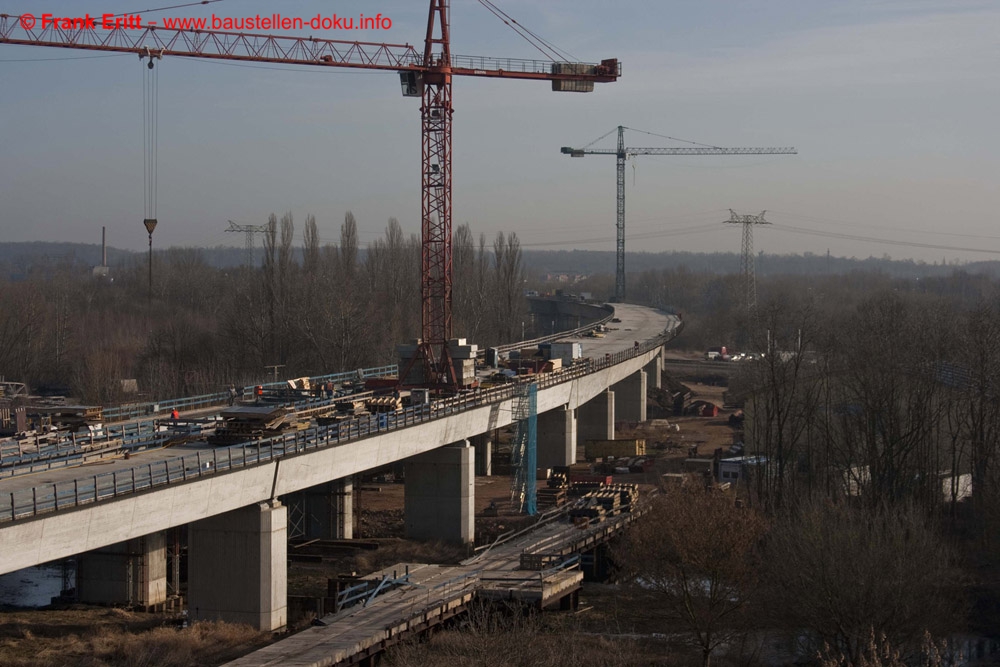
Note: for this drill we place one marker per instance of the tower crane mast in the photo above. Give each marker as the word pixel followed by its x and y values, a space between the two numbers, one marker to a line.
pixel 622 153
pixel 427 75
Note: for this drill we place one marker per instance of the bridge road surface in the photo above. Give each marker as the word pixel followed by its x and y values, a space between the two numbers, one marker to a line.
pixel 637 323
pixel 17 550
pixel 434 592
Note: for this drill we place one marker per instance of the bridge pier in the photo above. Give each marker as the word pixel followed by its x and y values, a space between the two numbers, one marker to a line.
pixel 596 418
pixel 630 398
pixel 439 498
pixel 654 371
pixel 557 437
pixel 483 446
pixel 131 573
pixel 324 512
pixel 237 567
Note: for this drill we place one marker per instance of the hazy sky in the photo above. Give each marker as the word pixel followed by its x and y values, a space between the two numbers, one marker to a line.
pixel 891 104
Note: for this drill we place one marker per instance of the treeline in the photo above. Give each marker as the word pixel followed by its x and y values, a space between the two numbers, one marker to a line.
pixel 28 259
pixel 307 308
pixel 715 303
pixel 871 499
pixel 593 262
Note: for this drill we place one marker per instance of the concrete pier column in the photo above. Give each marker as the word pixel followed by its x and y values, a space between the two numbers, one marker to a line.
pixel 557 438
pixel 596 419
pixel 439 497
pixel 483 446
pixel 237 567
pixel 630 398
pixel 130 573
pixel 654 371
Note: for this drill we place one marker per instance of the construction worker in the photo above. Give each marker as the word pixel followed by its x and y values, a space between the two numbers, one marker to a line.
pixel 259 390
pixel 174 414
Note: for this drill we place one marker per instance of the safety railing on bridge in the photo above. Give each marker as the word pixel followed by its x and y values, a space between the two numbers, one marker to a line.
pixel 27 503
pixel 134 410
pixel 115 440
pixel 572 333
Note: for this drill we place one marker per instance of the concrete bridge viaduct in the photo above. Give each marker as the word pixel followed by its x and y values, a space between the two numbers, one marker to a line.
pixel 231 498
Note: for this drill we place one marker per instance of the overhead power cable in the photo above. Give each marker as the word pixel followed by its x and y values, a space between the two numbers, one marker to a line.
pixel 870 239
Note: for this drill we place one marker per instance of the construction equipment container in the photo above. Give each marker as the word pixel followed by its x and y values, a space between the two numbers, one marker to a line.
pixel 566 351
pixel 599 449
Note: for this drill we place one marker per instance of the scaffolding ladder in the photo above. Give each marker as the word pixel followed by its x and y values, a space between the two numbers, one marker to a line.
pixel 524 450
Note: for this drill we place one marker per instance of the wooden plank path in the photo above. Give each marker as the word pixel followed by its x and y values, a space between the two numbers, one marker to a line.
pixel 436 593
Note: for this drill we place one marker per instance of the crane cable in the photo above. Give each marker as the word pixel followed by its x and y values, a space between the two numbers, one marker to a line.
pixel 547 49
pixel 150 132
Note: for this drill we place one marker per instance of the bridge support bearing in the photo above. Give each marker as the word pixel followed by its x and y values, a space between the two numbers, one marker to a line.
pixel 237 567
pixel 483 447
pixel 596 419
pixel 630 398
pixel 439 498
pixel 654 371
pixel 130 573
pixel 557 438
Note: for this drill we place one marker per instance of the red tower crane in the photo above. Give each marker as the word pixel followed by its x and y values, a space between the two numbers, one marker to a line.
pixel 427 75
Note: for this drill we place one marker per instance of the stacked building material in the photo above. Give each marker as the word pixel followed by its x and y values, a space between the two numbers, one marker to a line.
pixel 582 488
pixel 463 360
pixel 551 497
pixel 383 404
pixel 352 405
pixel 607 500
pixel 247 422
pixel 407 352
pixel 592 513
pixel 558 480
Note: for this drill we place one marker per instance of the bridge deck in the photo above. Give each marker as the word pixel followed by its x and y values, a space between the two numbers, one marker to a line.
pixel 56 513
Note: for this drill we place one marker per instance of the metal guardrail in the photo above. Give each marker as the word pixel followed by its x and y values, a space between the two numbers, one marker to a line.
pixel 572 333
pixel 148 408
pixel 27 503
pixel 79 448
pixel 118 438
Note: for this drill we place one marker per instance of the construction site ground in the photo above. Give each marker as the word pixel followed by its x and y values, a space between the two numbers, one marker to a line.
pixel 94 636
pixel 379 505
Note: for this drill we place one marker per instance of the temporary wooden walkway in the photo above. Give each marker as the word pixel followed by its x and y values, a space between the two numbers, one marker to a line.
pixel 432 594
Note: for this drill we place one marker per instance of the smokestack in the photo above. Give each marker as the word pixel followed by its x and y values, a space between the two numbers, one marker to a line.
pixel 104 248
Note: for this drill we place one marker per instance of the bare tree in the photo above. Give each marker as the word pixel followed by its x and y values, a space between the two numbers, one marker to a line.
pixel 842 573
pixel 508 281
pixel 784 392
pixel 693 561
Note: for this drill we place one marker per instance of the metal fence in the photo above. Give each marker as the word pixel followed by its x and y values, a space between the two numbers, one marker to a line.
pixel 134 410
pixel 28 503
pixel 572 333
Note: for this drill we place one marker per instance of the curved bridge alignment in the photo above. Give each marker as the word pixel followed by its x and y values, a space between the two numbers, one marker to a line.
pixel 231 495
